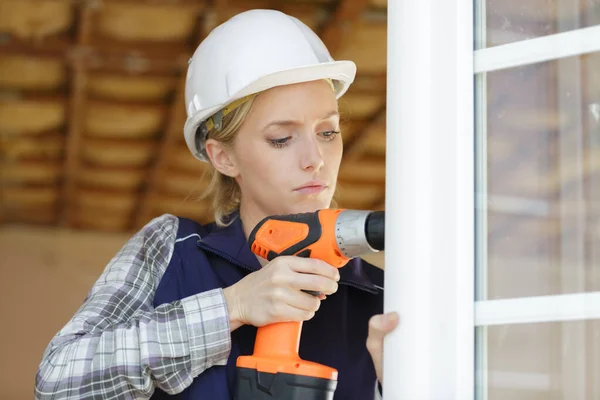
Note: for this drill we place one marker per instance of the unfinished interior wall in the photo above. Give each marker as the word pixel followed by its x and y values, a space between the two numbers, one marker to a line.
pixel 44 276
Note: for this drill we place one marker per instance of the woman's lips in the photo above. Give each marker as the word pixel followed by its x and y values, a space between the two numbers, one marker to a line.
pixel 312 187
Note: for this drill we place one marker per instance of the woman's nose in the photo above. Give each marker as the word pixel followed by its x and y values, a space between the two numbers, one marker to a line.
pixel 312 157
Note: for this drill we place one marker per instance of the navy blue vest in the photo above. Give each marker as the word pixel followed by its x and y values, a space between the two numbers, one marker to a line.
pixel 213 257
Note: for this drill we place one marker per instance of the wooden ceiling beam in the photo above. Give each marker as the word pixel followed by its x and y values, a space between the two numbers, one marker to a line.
pixel 152 105
pixel 370 83
pixel 76 117
pixel 336 30
pixel 153 2
pixel 176 120
pixel 49 47
pixel 61 46
pixel 34 97
pixel 356 146
pixel 139 58
pixel 133 64
pixel 167 50
pixel 166 146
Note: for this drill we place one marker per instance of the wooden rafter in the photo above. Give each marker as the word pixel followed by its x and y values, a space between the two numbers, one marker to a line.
pixel 133 63
pixel 139 57
pixel 76 115
pixel 58 46
pixel 140 48
pixel 173 132
pixel 336 30
pixel 355 148
pixel 370 83
pixel 165 147
pixel 169 2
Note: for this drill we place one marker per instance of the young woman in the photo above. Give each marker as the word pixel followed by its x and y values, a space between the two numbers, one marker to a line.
pixel 181 301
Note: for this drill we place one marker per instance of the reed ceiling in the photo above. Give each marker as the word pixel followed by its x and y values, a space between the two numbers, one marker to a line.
pixel 91 106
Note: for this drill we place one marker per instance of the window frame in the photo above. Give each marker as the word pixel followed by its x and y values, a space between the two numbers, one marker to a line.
pixel 429 200
pixel 433 161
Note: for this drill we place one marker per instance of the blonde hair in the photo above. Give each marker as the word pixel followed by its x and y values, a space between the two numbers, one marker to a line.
pixel 224 190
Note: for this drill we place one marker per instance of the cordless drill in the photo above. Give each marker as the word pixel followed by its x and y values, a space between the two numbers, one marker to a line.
pixel 275 370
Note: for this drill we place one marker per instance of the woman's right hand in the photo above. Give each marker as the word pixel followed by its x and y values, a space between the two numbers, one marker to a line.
pixel 274 293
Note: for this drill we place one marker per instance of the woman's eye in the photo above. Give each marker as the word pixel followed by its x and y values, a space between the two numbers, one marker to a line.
pixel 329 135
pixel 280 142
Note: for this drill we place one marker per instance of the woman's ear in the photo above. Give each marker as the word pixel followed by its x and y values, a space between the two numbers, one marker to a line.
pixel 221 158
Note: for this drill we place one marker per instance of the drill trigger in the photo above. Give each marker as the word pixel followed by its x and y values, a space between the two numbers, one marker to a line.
pixel 306 254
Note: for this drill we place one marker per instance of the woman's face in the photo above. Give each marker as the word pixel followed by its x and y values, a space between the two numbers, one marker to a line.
pixel 287 153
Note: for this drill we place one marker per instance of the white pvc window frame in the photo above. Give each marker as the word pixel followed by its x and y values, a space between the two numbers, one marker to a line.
pixel 431 203
pixel 526 310
pixel 429 200
pixel 532 51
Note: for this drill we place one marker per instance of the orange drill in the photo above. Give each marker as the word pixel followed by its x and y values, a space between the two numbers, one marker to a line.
pixel 275 370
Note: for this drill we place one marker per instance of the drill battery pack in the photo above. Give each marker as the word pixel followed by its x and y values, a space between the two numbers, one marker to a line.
pixel 256 385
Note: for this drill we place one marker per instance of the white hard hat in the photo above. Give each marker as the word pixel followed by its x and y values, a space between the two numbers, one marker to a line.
pixel 251 52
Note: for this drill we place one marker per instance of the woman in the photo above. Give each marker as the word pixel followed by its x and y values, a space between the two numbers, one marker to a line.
pixel 181 301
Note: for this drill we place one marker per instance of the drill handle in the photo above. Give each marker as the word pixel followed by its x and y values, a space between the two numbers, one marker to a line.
pixel 302 235
pixel 286 235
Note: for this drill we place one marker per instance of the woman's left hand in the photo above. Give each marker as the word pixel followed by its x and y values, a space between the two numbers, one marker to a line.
pixel 379 326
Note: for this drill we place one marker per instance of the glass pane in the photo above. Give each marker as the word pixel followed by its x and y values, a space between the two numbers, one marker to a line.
pixel 508 21
pixel 549 361
pixel 539 160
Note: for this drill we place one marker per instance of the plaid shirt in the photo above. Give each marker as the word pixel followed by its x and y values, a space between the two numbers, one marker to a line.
pixel 118 346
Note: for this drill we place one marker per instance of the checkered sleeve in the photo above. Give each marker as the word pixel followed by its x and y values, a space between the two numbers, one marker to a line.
pixel 118 346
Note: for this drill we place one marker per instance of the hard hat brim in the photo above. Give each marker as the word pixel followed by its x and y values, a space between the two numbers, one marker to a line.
pixel 341 72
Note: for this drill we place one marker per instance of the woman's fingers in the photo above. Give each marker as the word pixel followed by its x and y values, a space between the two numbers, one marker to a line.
pixel 315 283
pixel 306 274
pixel 379 326
pixel 313 266
pixel 276 292
pixel 303 301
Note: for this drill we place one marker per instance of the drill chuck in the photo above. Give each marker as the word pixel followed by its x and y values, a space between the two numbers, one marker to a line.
pixel 359 232
pixel 375 230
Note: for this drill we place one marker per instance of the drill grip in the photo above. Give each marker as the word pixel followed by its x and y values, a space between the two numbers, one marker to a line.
pixel 302 235
pixel 286 235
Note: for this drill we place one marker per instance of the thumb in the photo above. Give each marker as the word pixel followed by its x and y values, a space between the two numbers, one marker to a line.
pixel 379 326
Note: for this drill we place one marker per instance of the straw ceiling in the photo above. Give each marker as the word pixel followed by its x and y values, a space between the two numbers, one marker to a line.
pixel 91 106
